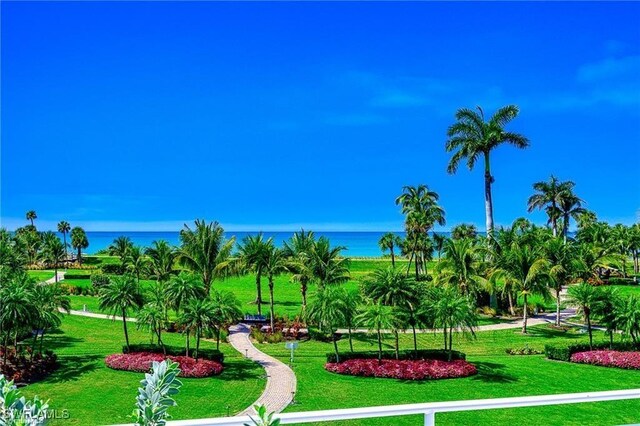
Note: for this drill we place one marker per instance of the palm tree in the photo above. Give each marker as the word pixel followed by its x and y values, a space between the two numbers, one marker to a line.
pixel 464 230
pixel 327 309
pixel 120 247
pixel 438 243
pixel 527 270
pixel 227 310
pixel 161 258
pixel 564 267
pixel 549 195
pixel 607 310
pixel 198 315
pixel 152 318
pixel 31 216
pixel 119 297
pixel 570 207
pixel 16 311
pixel 471 137
pixel 621 243
pixel 461 266
pixel 389 241
pixel 585 297
pixel 450 311
pixel 422 211
pixel 327 264
pixel 628 318
pixel 252 252
pixel 64 228
pixel 391 287
pixel 53 254
pixel 205 251
pixel 274 265
pixel 137 261
pixel 377 317
pixel 183 288
pixel 352 300
pixel 48 301
pixel 634 246
pixel 79 241
pixel 299 251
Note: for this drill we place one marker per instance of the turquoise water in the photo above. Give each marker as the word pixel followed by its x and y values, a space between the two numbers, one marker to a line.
pixel 358 244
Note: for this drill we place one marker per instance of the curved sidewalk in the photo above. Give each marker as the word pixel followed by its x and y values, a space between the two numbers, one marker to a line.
pixel 281 381
pixel 53 279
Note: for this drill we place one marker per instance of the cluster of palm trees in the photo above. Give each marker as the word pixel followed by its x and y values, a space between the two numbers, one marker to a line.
pixel 27 309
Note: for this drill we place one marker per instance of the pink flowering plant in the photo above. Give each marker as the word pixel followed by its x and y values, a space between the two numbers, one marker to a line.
pixel 142 361
pixel 403 369
pixel 627 360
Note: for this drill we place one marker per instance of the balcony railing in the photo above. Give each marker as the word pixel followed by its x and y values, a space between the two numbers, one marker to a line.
pixel 428 410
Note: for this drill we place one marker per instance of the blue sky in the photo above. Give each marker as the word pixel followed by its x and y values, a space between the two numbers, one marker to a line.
pixel 140 116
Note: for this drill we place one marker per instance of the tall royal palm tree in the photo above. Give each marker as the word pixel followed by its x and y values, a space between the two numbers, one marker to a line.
pixel 119 297
pixel 205 251
pixel 253 251
pixel 327 309
pixel 64 228
pixel 471 137
pixel 390 241
pixel 120 247
pixel 274 265
pixel 79 241
pixel 161 259
pixel 548 196
pixel 31 216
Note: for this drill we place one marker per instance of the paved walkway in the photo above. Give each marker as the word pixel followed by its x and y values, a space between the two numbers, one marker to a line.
pixel 99 316
pixel 281 381
pixel 52 280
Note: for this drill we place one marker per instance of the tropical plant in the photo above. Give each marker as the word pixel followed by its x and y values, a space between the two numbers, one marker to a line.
pixel 450 311
pixel 137 262
pixel 155 394
pixel 16 410
pixel 327 310
pixel 198 315
pixel 377 317
pixel 274 264
pixel 264 418
pixel 564 267
pixel 464 230
pixel 227 309
pixel 585 298
pixel 390 241
pixel 180 290
pixel 327 264
pixel 621 244
pixel 119 297
pixel 299 251
pixel 461 266
pixel 53 254
pixel 64 228
pixel 472 137
pixel 628 318
pixel 161 259
pixel 205 251
pixel 608 310
pixel 48 301
pixel 16 312
pixel 151 317
pixel 120 247
pixel 549 195
pixel 570 207
pixel 79 241
pixel 252 252
pixel 438 243
pixel 31 216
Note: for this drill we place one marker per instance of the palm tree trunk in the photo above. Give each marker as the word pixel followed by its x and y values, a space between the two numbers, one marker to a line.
pixel 124 325
pixel 259 293
pixel 335 347
pixel 271 303
pixel 55 270
pixel 303 290
pixel 450 342
pixel 187 346
pixel 66 254
pixel 350 339
pixel 558 290
pixel 397 346
pixel 41 341
pixel 444 331
pixel 524 315
pixel 198 331
pixel 488 202
pixel 409 265
pixel 512 310
pixel 415 339
pixel 218 338
pixel 393 257
pixel 588 315
pixel 379 346
pixel 565 228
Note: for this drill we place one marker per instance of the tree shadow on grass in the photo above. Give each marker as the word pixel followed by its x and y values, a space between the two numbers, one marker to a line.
pixel 60 341
pixel 493 373
pixel 71 368
pixel 240 370
pixel 549 333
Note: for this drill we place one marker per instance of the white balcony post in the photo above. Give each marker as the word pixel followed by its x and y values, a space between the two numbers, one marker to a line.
pixel 429 418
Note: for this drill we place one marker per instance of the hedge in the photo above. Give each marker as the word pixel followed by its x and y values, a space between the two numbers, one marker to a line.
pixel 111 268
pixel 210 354
pixel 563 353
pixel 74 276
pixel 434 354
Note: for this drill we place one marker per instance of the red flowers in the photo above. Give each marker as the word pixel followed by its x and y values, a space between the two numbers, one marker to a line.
pixel 628 360
pixel 403 369
pixel 141 362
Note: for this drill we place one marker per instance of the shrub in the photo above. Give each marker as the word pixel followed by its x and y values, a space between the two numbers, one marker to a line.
pixel 77 276
pixel 487 310
pixel 320 336
pixel 627 360
pixel 404 369
pixel 111 268
pixel 142 362
pixel 423 354
pixel 563 353
pixel 99 280
pixel 523 351
pixel 267 337
pixel 20 368
pixel 257 335
pixel 155 394
pixel 208 354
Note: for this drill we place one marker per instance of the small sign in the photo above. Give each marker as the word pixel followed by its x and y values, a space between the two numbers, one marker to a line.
pixel 291 345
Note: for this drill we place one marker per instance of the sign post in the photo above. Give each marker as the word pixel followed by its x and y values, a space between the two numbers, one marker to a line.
pixel 291 346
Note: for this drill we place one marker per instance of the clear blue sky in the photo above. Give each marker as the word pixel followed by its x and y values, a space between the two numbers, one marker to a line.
pixel 140 116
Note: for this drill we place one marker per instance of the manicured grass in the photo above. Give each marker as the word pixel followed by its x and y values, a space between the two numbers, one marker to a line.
pixel 627 290
pixel 95 394
pixel 500 375
pixel 40 276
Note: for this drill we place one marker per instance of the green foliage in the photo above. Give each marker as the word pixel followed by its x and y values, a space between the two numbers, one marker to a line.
pixel 437 354
pixel 15 410
pixel 264 418
pixel 155 395
pixel 564 352
pixel 77 276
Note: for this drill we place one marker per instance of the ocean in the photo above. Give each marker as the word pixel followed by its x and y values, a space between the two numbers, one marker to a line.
pixel 359 244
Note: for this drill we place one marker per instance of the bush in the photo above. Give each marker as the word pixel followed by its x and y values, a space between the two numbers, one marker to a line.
pixel 487 310
pixel 20 368
pixel 262 337
pixel 404 369
pixel 523 351
pixel 320 336
pixel 423 354
pixel 620 281
pixel 77 276
pixel 99 280
pixel 627 360
pixel 563 353
pixel 208 354
pixel 111 268
pixel 142 361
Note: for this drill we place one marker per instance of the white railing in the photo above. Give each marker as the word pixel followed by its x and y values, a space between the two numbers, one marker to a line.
pixel 428 410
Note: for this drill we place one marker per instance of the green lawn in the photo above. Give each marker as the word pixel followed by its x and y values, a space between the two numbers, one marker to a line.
pixel 40 275
pixel 94 394
pixel 500 375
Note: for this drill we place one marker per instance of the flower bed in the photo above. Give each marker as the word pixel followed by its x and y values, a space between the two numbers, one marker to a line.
pixel 628 360
pixel 141 362
pixel 25 368
pixel 403 369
